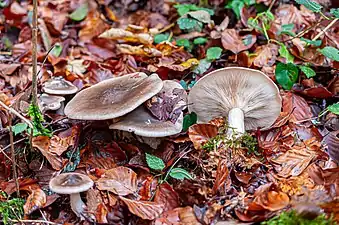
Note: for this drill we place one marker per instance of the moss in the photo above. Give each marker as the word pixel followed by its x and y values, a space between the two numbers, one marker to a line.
pixel 11 209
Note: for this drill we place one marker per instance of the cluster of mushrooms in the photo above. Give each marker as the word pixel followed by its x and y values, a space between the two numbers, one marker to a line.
pixel 246 97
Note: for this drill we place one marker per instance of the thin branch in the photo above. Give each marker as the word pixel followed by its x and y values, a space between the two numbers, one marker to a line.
pixel 11 140
pixel 34 52
pixel 325 29
pixel 13 111
pixel 33 221
pixel 271 5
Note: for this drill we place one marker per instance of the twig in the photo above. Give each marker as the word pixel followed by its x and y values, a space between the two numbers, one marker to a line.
pixel 325 29
pixel 11 140
pixel 13 111
pixel 3 152
pixel 45 59
pixel 166 28
pixel 271 5
pixel 33 221
pixel 34 52
pixel 16 142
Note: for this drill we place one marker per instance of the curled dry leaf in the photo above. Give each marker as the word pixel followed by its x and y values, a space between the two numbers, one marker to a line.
pixel 222 177
pixel 36 200
pixel 139 50
pixel 120 34
pixel 166 196
pixel 120 180
pixel 265 55
pixel 327 177
pixel 332 142
pixel 201 133
pixel 297 106
pixel 231 40
pixel 144 209
pixel 61 142
pixel 178 216
pixel 273 200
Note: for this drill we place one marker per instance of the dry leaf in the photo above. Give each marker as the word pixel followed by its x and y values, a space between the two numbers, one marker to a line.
pixel 36 200
pixel 120 34
pixel 144 209
pixel 231 40
pixel 201 133
pixel 178 216
pixel 166 196
pixel 222 176
pixel 265 55
pixel 139 50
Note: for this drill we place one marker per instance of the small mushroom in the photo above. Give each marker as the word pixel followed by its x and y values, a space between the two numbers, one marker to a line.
pixel 50 102
pixel 114 97
pixel 72 184
pixel 143 123
pixel 59 86
pixel 247 97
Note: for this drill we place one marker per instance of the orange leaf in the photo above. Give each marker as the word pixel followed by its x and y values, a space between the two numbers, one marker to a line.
pixel 120 180
pixel 271 199
pixel 231 40
pixel 166 196
pixel 222 176
pixel 36 200
pixel 201 133
pixel 144 209
pixel 178 216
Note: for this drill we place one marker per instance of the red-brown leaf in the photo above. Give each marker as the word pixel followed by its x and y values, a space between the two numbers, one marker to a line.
pixel 231 40
pixel 222 176
pixel 36 200
pixel 144 209
pixel 166 196
pixel 178 216
pixel 201 133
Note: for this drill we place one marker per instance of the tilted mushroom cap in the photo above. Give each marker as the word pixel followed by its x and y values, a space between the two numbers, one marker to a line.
pixel 235 87
pixel 70 183
pixel 50 102
pixel 59 86
pixel 114 97
pixel 143 123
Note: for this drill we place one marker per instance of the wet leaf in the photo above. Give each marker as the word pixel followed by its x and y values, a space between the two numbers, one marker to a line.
pixel 36 200
pixel 120 180
pixel 330 52
pixel 308 71
pixel 201 133
pixel 213 53
pixel 144 209
pixel 286 75
pixel 180 174
pixel 154 162
pixel 80 13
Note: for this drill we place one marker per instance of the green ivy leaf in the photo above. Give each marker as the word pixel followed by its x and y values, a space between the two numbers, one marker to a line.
pixel 308 71
pixel 158 38
pixel 311 5
pixel 185 43
pixel 335 12
pixel 189 24
pixel 56 51
pixel 19 128
pixel 182 9
pixel 316 43
pixel 236 6
pixel 180 174
pixel 204 65
pixel 286 75
pixel 199 41
pixel 213 53
pixel 334 108
pixel 154 162
pixel 287 29
pixel 330 52
pixel 80 13
pixel 283 51
pixel 189 120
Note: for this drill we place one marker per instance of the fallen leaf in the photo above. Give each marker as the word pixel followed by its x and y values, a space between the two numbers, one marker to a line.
pixel 139 50
pixel 36 200
pixel 25 184
pixel 265 55
pixel 127 36
pixel 166 196
pixel 144 209
pixel 222 177
pixel 332 142
pixel 231 40
pixel 297 106
pixel 178 216
pixel 201 133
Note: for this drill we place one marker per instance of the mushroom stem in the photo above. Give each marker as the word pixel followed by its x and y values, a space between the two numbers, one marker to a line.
pixel 77 204
pixel 236 122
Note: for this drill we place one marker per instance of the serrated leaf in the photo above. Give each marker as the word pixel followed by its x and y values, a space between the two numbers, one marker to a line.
pixel 309 72
pixel 154 162
pixel 335 12
pixel 189 24
pixel 283 51
pixel 204 65
pixel 189 120
pixel 56 51
pixel 330 52
pixel 80 13
pixel 311 5
pixel 286 75
pixel 316 43
pixel 236 6
pixel 334 108
pixel 19 128
pixel 213 53
pixel 161 37
pixel 180 174
pixel 199 41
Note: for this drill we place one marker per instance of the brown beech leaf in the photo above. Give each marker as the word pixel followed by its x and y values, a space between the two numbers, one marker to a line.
pixel 267 197
pixel 36 200
pixel 297 106
pixel 332 142
pixel 265 55
pixel 128 36
pixel 332 209
pixel 327 177
pixel 166 196
pixel 120 180
pixel 231 40
pixel 65 139
pixel 8 69
pixel 25 184
pixel 139 50
pixel 94 26
pixel 178 216
pixel 201 133
pixel 144 209
pixel 222 177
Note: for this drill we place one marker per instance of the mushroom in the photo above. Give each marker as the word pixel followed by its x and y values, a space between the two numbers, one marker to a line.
pixel 50 102
pixel 113 97
pixel 143 123
pixel 59 86
pixel 72 184
pixel 247 97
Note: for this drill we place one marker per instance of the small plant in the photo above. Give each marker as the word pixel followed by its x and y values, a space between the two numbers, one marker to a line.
pixel 292 218
pixel 11 209
pixel 37 120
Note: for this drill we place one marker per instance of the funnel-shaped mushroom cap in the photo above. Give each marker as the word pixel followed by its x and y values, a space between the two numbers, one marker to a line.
pixel 59 86
pixel 249 90
pixel 70 183
pixel 113 97
pixel 143 123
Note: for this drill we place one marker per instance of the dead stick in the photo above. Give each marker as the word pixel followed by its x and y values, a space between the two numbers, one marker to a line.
pixel 34 52
pixel 11 140
pixel 325 29
pixel 11 110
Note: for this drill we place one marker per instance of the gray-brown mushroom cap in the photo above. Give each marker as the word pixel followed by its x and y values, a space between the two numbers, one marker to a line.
pixel 235 87
pixel 114 97
pixel 59 86
pixel 143 123
pixel 70 183
pixel 50 102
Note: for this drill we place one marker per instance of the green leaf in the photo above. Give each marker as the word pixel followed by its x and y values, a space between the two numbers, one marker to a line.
pixel 316 43
pixel 182 9
pixel 213 53
pixel 283 51
pixel 308 71
pixel 185 43
pixel 287 29
pixel 334 108
pixel 249 2
pixel 199 41
pixel 189 24
pixel 330 52
pixel 236 6
pixel 80 13
pixel 204 65
pixel 247 40
pixel 161 37
pixel 19 128
pixel 192 83
pixel 180 174
pixel 335 12
pixel 183 84
pixel 286 75
pixel 3 4
pixel 269 15
pixel 253 23
pixel 56 51
pixel 189 120
pixel 311 5
pixel 154 162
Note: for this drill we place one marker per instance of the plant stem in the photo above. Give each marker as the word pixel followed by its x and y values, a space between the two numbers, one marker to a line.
pixel 325 29
pixel 11 140
pixel 34 52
